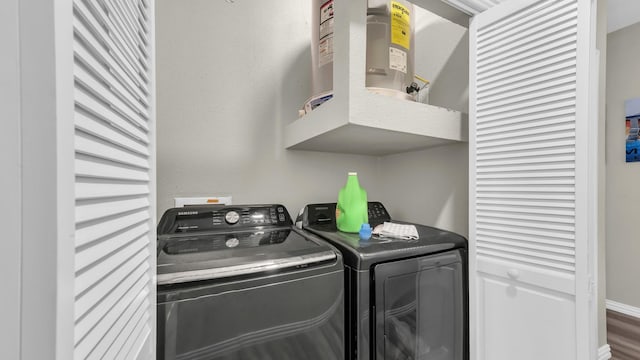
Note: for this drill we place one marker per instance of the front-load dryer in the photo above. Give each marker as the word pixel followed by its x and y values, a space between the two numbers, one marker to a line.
pixel 239 283
pixel 404 299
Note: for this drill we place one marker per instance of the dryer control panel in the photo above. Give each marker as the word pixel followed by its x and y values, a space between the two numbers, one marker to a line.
pixel 323 216
pixel 221 217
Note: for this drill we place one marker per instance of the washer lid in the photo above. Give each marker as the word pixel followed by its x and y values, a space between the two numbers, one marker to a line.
pixel 214 255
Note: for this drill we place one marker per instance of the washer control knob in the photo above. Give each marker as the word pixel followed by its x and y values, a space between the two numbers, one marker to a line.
pixel 232 217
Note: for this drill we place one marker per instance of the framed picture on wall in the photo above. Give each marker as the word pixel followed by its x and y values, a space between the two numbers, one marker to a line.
pixel 632 117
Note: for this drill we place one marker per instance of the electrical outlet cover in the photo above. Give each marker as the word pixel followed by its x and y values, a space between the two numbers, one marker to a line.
pixel 182 201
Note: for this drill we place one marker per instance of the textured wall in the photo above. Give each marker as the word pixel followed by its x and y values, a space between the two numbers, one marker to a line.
pixel 601 44
pixel 623 179
pixel 230 75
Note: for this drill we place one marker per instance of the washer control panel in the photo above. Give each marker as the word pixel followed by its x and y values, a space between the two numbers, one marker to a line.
pixel 221 217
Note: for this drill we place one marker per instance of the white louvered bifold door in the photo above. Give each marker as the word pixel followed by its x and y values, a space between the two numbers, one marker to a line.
pixel 529 261
pixel 115 179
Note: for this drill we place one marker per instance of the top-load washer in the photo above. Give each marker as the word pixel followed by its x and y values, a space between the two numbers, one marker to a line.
pixel 405 299
pixel 240 283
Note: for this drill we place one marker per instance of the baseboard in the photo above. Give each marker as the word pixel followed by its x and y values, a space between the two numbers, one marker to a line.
pixel 623 308
pixel 604 353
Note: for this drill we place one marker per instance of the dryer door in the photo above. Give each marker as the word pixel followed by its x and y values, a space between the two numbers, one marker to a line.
pixel 420 308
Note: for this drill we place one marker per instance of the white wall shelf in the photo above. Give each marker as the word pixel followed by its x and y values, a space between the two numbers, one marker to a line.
pixel 375 125
pixel 357 121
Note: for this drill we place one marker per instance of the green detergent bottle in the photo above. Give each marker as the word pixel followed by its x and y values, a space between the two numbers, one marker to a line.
pixel 351 210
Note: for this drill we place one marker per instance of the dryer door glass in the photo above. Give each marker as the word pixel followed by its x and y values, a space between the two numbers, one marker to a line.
pixel 420 308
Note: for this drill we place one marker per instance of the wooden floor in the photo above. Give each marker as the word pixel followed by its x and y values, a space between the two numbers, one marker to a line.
pixel 623 335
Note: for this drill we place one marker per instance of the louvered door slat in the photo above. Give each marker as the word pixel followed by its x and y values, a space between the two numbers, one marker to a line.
pixel 534 233
pixel 101 110
pixel 103 287
pixel 532 104
pixel 132 14
pixel 515 243
pixel 541 262
pixel 534 86
pixel 100 323
pixel 526 202
pixel 496 123
pixel 554 144
pixel 520 67
pixel 532 128
pixel 526 225
pixel 528 159
pixel 102 74
pixel 105 149
pixel 95 210
pixel 100 18
pixel 530 12
pixel 143 331
pixel 535 30
pixel 98 128
pixel 555 36
pixel 92 32
pixel 125 15
pixel 98 351
pixel 526 209
pixel 121 35
pixel 127 34
pixel 87 166
pixel 114 186
pixel 538 240
pixel 527 181
pixel 92 27
pixel 106 95
pixel 516 30
pixel 523 155
pixel 542 254
pixel 86 278
pixel 548 54
pixel 142 21
pixel 106 247
pixel 91 190
pixel 517 99
pixel 143 35
pixel 138 33
pixel 122 345
pixel 93 231
pixel 527 122
pixel 516 143
pixel 85 38
pixel 541 109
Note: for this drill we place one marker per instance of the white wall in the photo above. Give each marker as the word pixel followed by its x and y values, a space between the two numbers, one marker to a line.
pixel 623 179
pixel 601 44
pixel 232 74
pixel 38 169
pixel 10 213
pixel 428 187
